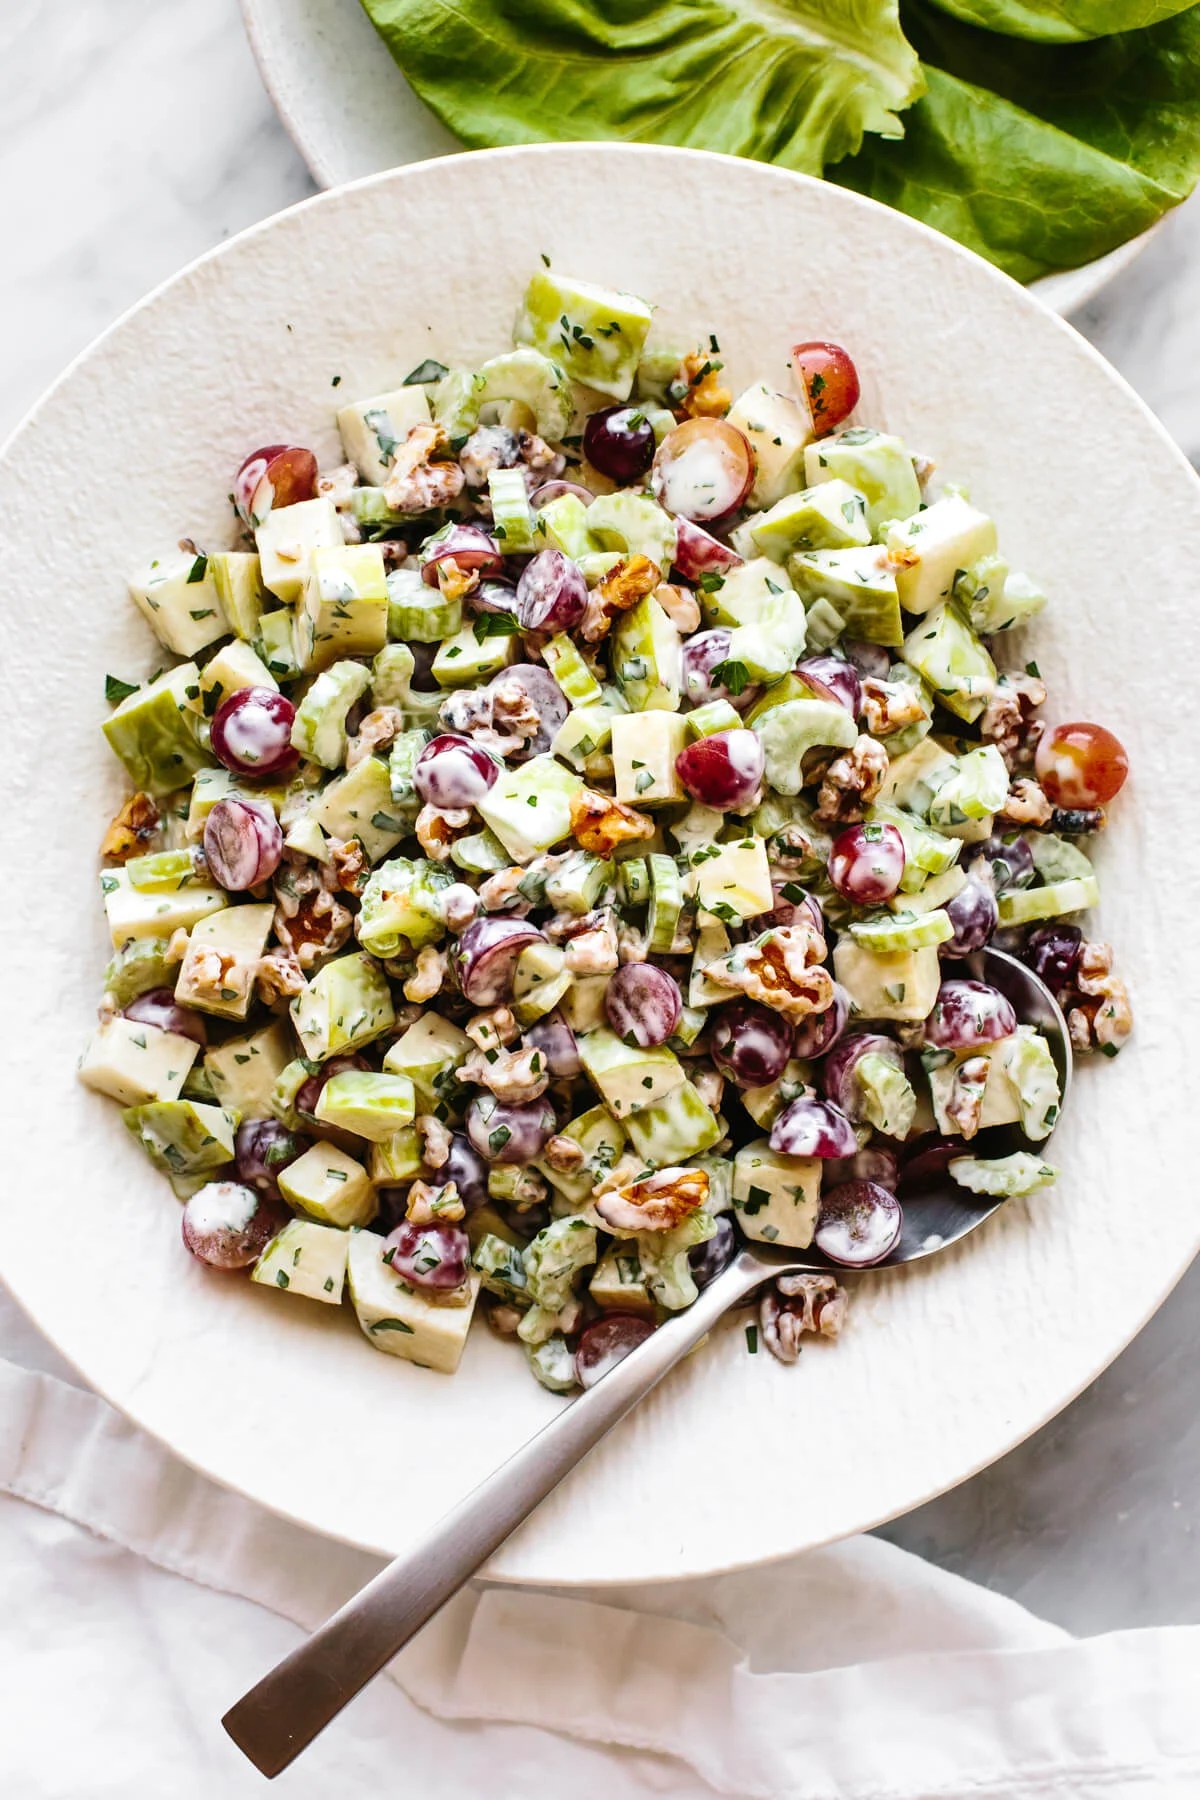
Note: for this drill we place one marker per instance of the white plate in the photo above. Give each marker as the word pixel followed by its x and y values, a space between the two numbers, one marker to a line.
pixel 736 1459
pixel 350 112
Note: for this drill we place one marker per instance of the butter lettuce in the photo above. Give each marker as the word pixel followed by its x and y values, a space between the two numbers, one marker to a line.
pixel 1063 21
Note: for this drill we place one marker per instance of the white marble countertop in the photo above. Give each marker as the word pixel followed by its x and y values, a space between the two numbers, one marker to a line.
pixel 133 137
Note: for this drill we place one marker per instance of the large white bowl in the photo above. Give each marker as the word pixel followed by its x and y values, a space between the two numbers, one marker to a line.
pixel 943 1367
pixel 350 112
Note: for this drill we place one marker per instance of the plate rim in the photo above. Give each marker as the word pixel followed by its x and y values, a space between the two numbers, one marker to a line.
pixel 1019 296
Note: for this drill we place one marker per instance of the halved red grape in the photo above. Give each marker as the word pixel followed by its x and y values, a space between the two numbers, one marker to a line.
pixel 309 1091
pixel 810 1127
pixel 430 1256
pixel 706 1260
pixel 723 770
pixel 554 490
pixel 469 546
pixel 974 914
pixel 277 475
pixel 1008 857
pixel 252 732
pixel 859 1224
pixel 749 1043
pixel 1052 951
pixel 866 863
pixel 619 441
pixel 702 653
pixel 698 553
pixel 551 593
pixel 868 659
pixel 486 954
pixel 243 843
pixel 703 469
pixel 490 596
pixel 643 1004
pixel 606 1342
pixel 451 771
pixel 967 1013
pixel 926 1161
pixel 558 1044
pixel 545 696
pixel 833 678
pixel 838 1071
pixel 828 380
pixel 467 1170
pixel 819 1032
pixel 159 1007
pixel 261 1148
pixel 505 1133
pixel 872 1163
pixel 227 1225
pixel 1080 765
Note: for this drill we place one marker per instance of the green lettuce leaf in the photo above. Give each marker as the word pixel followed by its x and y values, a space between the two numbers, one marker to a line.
pixel 795 82
pixel 1063 21
pixel 1042 157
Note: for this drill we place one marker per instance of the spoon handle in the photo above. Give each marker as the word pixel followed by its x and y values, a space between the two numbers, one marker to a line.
pixel 283 1713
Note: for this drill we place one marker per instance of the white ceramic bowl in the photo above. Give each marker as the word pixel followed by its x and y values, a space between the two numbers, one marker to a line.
pixel 350 112
pixel 736 1459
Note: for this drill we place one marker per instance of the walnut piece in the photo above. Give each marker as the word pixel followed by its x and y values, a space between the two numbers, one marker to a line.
pixel 706 397
pixel 852 781
pixel 889 706
pixel 133 829
pixel 495 1028
pixel 1026 805
pixel 1100 1016
pixel 309 919
pixel 420 479
pixel 349 864
pixel 710 1086
pixel 599 823
pixel 627 582
pixel 657 1203
pixel 210 970
pixel 594 952
pixel 780 969
pixel 1008 722
pixel 680 605
pixel 502 893
pixel 278 976
pixel 458 905
pixel 430 973
pixel 965 1105
pixel 436 826
pixel 427 1205
pixel 798 1304
pixel 435 1141
pixel 376 732
pixel 564 1154
pixel 512 1075
pixel 337 484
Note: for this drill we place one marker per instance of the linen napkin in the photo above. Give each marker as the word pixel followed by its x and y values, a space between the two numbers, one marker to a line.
pixel 140 1599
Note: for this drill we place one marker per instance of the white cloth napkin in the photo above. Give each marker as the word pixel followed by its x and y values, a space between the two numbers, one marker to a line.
pixel 139 1600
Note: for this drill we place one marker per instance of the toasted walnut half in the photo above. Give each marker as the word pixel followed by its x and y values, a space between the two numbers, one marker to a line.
pixel 426 1204
pixel 964 1108
pixel 1008 722
pixel 888 706
pixel 278 976
pixel 852 781
pixel 599 823
pixel 421 479
pixel 627 582
pixel 436 827
pixel 310 920
pixel 1026 805
pixel 798 1304
pixel 134 827
pixel 1100 1018
pixel 707 397
pixel 781 969
pixel 514 1076
pixel 658 1203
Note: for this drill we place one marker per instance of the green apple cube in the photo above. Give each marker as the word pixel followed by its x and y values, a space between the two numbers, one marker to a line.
pixel 401 906
pixel 1001 1104
pixel 343 1006
pixel 769 646
pixel 635 525
pixel 136 914
pixel 396 1159
pixel 371 512
pixel 399 1319
pixel 359 805
pixel 391 675
pixel 428 1053
pixel 329 1186
pixel 512 518
pixel 873 462
pixel 185 1137
pixel 138 965
pixel 345 608
pixel 166 871
pixel 1023 906
pixel 534 994
pixel 582 1006
pixel 480 853
pixel 832 516
pixel 943 649
pixel 647 658
pixel 778 430
pixel 153 731
pixel 586 733
pixel 627 1077
pixel 789 731
pixel 529 807
pixel 712 943
pixel 596 564
pixel 925 850
pixel 418 613
pixel 889 1100
pixel 998 607
pixel 276 643
pixel 319 728
pixel 234 666
pixel 373 430
pixel 465 660
pixel 578 882
pixel 306 1259
pixel 901 984
pixel 776 1198
pixel 133 1062
pixel 975 788
pixel 1003 1177
pixel 177 594
pixel 733 881
pixel 238 575
pixel 369 1105
pixel 644 749
pixel 930 550
pixel 238 937
pixel 861 584
pixel 824 624
pixel 709 720
pixel 737 596
pixel 764 1104
pixel 597 334
pixel 501 1270
pixel 618 1283
pixel 533 380
pixel 675 1130
pixel 243 1071
pixel 562 524
pixel 571 672
pixel 286 540
pixel 913 778
pixel 602 1141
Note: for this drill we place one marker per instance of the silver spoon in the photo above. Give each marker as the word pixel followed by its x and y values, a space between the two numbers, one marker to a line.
pixel 283 1713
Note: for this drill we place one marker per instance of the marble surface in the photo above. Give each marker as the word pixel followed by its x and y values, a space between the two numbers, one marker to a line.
pixel 135 136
